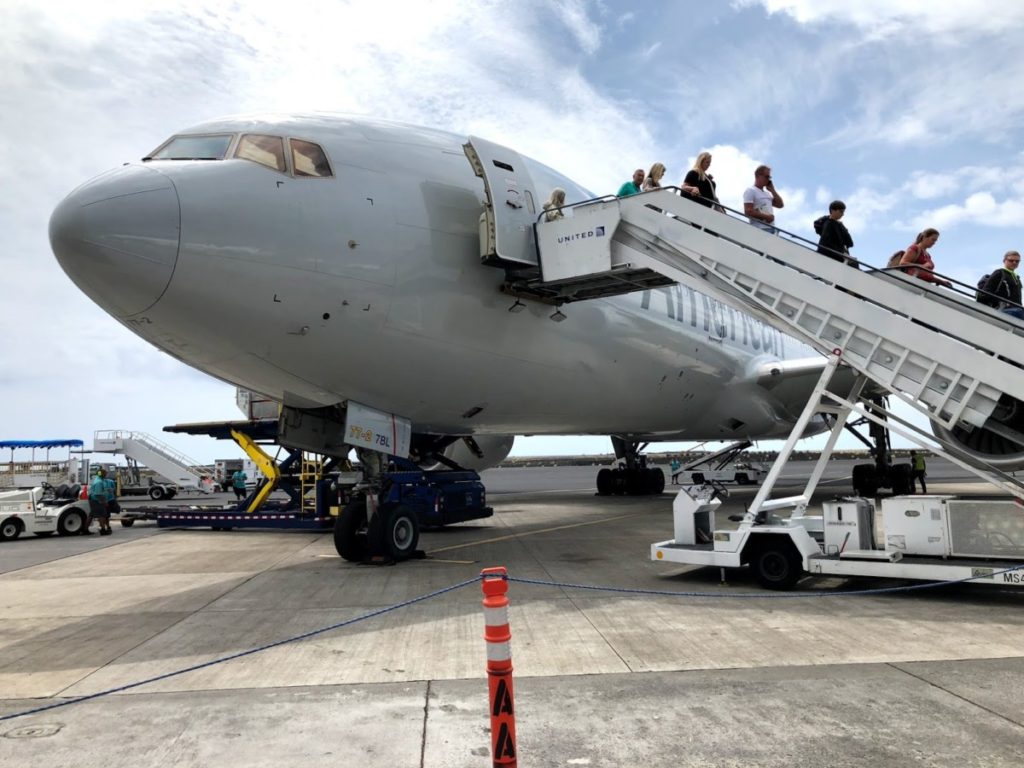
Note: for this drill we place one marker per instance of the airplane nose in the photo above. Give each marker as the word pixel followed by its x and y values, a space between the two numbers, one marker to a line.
pixel 117 238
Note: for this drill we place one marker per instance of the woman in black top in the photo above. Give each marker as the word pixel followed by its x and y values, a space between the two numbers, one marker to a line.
pixel 699 184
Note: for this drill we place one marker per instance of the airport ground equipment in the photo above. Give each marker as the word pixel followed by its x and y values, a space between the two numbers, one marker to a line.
pixel 43 511
pixel 722 466
pixel 386 522
pixel 166 462
pixel 942 354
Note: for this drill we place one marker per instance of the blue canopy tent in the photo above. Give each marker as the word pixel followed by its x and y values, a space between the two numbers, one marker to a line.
pixel 34 444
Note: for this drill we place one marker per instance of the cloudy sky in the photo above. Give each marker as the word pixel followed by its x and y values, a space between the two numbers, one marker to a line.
pixel 909 110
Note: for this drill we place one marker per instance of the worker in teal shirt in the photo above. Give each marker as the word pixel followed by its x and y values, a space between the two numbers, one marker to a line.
pixel 238 483
pixel 98 503
pixel 632 187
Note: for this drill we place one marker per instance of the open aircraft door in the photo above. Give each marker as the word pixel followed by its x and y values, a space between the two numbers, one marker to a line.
pixel 511 207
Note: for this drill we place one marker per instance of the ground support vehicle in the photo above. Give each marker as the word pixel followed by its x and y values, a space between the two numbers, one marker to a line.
pixel 43 512
pixel 722 467
pixel 930 538
pixel 386 522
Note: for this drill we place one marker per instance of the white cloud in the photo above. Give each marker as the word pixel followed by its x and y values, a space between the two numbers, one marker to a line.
pixel 901 17
pixel 978 208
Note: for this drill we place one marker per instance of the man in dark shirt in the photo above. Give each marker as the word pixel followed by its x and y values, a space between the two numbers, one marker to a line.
pixel 835 239
pixel 1005 283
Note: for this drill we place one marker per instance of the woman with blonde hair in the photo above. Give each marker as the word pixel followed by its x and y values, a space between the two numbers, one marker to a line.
pixel 917 262
pixel 699 184
pixel 553 207
pixel 653 180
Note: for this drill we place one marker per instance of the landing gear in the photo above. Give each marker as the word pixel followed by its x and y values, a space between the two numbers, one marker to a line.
pixel 869 478
pixel 632 477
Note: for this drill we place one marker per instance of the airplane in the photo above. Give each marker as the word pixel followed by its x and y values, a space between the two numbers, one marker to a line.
pixel 343 265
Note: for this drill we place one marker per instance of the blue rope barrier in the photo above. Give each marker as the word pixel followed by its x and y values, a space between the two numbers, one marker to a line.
pixel 240 654
pixel 515 579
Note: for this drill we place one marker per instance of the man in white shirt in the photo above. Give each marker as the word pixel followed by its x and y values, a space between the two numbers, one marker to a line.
pixel 759 199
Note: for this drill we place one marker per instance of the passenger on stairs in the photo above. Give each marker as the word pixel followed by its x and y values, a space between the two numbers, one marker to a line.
pixel 653 180
pixel 759 200
pixel 917 262
pixel 698 183
pixel 835 241
pixel 553 207
pixel 632 187
pixel 1005 283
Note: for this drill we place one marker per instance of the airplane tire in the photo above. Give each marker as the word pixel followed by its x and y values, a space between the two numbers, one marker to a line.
pixel 71 522
pixel 605 482
pixel 399 534
pixel 777 566
pixel 10 530
pixel 901 479
pixel 350 531
pixel 865 480
pixel 656 481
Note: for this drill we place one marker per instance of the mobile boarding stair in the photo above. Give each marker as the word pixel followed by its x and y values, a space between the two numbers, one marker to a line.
pixel 947 357
pixel 145 449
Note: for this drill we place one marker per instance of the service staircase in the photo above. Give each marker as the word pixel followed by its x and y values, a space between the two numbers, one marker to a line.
pixel 165 461
pixel 945 355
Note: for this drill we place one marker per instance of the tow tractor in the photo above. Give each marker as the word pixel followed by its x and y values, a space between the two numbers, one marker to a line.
pixel 386 521
pixel 42 510
pixel 722 467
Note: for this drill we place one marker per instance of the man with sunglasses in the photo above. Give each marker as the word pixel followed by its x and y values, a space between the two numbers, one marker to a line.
pixel 1005 283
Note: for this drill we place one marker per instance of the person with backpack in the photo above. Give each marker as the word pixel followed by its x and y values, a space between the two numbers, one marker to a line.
pixel 835 241
pixel 917 262
pixel 1004 285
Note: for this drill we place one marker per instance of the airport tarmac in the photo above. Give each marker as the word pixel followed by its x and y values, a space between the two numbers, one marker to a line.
pixel 602 678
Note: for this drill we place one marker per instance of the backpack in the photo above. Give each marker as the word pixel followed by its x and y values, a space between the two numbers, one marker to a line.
pixel 894 260
pixel 983 298
pixel 819 224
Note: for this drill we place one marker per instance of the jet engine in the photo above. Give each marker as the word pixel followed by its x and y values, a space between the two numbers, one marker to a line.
pixel 481 451
pixel 1000 442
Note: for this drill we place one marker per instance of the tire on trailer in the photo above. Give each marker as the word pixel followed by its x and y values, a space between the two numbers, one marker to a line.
pixel 742 478
pixel 71 522
pixel 10 529
pixel 157 493
pixel 127 522
pixel 697 477
pixel 605 482
pixel 776 563
pixel 350 531
pixel 172 492
pixel 397 533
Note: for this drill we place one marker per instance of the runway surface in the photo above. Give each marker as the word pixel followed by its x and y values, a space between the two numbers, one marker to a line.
pixel 736 676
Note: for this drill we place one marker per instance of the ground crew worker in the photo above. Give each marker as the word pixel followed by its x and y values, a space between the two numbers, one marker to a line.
pixel 675 466
pixel 917 472
pixel 238 483
pixel 113 508
pixel 98 503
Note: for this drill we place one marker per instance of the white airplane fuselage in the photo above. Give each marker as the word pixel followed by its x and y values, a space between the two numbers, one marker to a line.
pixel 368 286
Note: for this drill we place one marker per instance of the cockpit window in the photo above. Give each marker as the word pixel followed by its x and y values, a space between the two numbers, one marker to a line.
pixel 265 150
pixel 211 147
pixel 308 159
